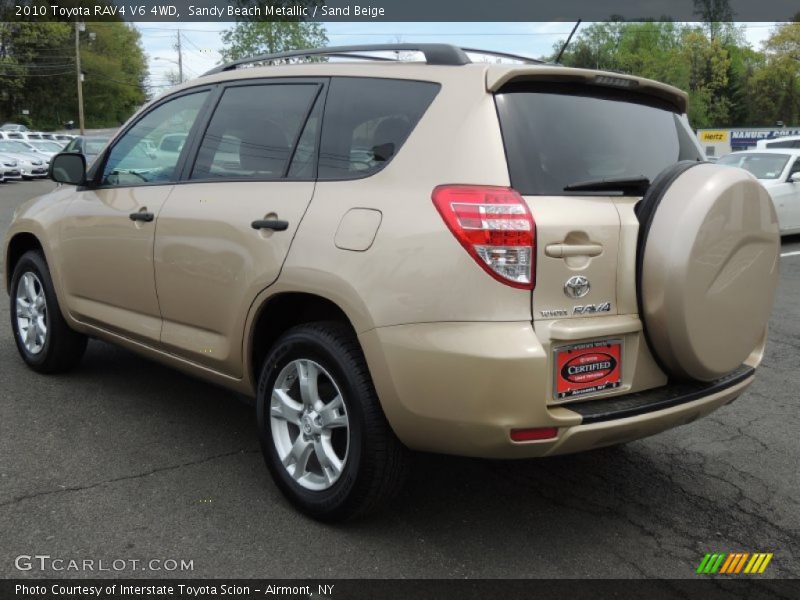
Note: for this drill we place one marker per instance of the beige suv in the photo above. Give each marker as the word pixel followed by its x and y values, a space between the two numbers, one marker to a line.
pixel 492 260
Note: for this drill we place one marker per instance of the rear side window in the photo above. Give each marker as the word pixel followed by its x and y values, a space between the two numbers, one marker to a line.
pixel 254 131
pixel 556 135
pixel 784 144
pixel 367 121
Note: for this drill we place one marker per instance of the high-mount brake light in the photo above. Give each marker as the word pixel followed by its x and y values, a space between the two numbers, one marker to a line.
pixel 495 227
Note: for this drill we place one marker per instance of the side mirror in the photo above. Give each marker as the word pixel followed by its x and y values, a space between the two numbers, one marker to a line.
pixel 794 177
pixel 68 167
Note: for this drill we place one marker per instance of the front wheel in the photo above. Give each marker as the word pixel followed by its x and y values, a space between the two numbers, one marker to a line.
pixel 44 340
pixel 323 434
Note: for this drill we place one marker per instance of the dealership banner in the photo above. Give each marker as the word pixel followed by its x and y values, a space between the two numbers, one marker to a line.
pixel 750 137
pixel 396 10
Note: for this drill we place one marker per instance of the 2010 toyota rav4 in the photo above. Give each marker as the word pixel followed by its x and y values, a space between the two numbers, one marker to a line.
pixel 502 261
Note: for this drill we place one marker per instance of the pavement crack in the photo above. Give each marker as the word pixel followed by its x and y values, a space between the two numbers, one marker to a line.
pixel 81 488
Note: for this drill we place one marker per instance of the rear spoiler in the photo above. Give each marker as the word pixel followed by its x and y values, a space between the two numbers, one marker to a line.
pixel 499 75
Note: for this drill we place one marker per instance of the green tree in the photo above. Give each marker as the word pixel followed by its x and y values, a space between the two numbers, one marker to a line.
pixel 37 73
pixel 778 81
pixel 250 38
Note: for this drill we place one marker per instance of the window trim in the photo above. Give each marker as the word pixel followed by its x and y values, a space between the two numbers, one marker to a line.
pixel 322 84
pixel 97 168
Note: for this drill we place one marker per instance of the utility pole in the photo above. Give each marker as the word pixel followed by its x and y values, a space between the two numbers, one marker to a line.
pixel 180 57
pixel 78 28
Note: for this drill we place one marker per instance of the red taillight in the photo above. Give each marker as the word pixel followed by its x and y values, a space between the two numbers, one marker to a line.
pixel 529 435
pixel 495 226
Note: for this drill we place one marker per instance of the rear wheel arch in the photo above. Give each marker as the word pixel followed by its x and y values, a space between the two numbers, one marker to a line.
pixel 279 313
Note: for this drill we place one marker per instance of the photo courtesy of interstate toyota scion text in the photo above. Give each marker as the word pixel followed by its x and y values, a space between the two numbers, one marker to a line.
pixel 429 254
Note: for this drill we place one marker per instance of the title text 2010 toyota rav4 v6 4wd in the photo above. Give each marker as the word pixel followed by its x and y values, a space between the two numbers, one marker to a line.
pixel 484 260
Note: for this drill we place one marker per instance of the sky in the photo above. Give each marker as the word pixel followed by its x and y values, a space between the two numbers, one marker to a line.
pixel 202 42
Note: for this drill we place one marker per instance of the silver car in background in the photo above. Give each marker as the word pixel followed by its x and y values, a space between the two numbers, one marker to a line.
pixel 9 168
pixel 31 165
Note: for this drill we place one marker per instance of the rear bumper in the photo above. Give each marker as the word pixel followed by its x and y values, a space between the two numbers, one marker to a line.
pixel 459 388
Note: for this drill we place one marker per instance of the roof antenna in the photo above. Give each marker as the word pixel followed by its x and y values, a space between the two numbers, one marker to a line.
pixel 569 39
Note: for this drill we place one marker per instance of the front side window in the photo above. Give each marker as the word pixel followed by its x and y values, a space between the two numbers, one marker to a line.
pixel 132 160
pixel 254 131
pixel 367 121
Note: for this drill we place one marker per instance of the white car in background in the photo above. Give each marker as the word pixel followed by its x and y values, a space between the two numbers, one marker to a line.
pixel 46 147
pixel 9 168
pixel 778 170
pixel 31 165
pixel 22 147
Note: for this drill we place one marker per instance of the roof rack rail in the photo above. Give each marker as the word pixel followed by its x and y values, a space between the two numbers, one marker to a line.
pixel 435 54
pixel 525 59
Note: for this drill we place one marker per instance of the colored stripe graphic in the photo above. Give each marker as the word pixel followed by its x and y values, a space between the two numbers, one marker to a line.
pixel 703 563
pixel 741 562
pixel 758 563
pixel 733 563
pixel 732 558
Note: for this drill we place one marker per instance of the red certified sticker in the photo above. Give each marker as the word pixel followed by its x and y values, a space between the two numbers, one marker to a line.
pixel 588 368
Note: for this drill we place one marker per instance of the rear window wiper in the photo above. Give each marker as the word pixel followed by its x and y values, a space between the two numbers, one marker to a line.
pixel 633 186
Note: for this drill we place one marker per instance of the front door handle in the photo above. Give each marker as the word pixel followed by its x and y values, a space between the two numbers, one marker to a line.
pixel 564 250
pixel 274 224
pixel 142 216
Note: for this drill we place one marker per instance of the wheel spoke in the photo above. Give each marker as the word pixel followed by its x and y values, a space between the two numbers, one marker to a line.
pixel 332 416
pixel 308 382
pixel 296 460
pixel 23 308
pixel 30 287
pixel 330 463
pixel 284 407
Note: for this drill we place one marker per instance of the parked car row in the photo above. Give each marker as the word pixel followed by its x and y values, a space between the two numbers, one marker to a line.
pixel 30 159
pixel 22 160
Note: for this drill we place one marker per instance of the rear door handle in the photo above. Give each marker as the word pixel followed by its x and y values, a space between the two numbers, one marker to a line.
pixel 563 250
pixel 274 224
pixel 142 216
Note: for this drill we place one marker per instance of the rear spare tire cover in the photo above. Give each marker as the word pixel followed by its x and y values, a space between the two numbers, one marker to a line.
pixel 707 268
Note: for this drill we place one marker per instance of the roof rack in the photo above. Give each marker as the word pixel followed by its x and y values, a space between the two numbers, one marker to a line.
pixel 435 54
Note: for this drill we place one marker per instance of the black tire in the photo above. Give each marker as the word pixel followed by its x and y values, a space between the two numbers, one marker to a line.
pixel 376 463
pixel 63 348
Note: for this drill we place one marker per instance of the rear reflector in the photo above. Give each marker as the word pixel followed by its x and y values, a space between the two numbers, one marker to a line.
pixel 495 227
pixel 527 435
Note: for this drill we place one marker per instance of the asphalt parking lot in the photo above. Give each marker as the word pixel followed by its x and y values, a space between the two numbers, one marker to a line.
pixel 126 459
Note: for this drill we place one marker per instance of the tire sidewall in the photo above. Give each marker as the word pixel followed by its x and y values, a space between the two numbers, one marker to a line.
pixel 32 262
pixel 308 344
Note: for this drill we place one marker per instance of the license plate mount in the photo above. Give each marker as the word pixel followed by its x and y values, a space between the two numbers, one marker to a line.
pixel 587 368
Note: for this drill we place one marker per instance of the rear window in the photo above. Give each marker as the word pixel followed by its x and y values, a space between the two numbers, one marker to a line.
pixel 556 135
pixel 763 166
pixel 367 121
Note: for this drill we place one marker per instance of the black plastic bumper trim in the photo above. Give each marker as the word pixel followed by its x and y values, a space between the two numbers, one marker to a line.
pixel 637 403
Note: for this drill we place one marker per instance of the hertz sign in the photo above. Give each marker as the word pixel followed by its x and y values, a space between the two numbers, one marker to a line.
pixel 713 136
